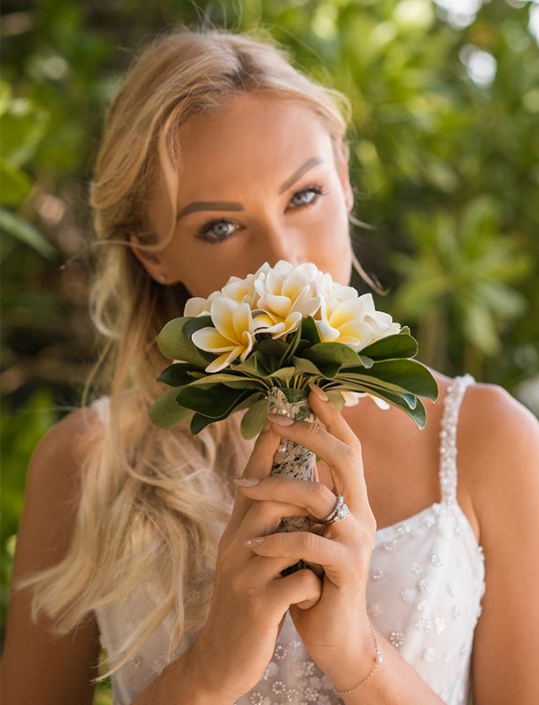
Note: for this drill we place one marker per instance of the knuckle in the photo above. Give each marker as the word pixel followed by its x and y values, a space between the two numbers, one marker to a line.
pixel 321 493
pixel 310 540
pixel 350 454
pixel 312 428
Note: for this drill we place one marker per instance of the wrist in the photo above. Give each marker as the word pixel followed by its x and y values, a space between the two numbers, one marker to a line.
pixel 359 664
pixel 206 682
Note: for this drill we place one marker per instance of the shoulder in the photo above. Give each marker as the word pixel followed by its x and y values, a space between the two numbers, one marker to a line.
pixel 64 445
pixel 34 655
pixel 498 442
pixel 499 424
pixel 53 479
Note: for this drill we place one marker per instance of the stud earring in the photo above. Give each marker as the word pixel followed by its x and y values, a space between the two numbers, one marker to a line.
pixel 163 277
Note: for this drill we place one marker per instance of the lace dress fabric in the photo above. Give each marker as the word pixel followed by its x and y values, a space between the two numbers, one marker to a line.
pixel 426 583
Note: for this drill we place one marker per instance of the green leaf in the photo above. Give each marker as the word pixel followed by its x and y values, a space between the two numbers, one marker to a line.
pixel 271 352
pixel 336 398
pixel 253 421
pixel 174 343
pixel 284 374
pixel 165 412
pixel 292 344
pixel 394 346
pixel 408 375
pixel 180 374
pixel 25 232
pixel 360 384
pixel 309 330
pixel 215 403
pixel 251 366
pixel 329 357
pixel 305 366
pixel 367 362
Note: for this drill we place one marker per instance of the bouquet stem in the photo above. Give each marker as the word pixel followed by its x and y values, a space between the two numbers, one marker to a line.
pixel 292 459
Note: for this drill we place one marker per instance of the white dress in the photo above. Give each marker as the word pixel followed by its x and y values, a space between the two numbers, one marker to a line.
pixel 424 595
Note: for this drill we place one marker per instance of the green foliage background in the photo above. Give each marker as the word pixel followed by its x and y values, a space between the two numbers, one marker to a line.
pixel 444 164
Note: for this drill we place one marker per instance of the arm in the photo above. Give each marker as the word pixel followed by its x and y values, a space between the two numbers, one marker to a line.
pixel 503 462
pixel 39 668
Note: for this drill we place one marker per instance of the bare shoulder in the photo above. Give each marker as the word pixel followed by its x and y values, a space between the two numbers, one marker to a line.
pixel 34 659
pixel 54 472
pixel 498 454
pixel 499 424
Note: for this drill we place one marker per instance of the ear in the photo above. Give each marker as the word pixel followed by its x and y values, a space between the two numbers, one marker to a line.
pixel 150 261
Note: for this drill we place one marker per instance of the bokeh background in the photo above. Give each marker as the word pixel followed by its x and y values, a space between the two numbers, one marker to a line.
pixel 444 163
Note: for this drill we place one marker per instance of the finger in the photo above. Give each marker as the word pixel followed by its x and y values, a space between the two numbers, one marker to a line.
pixel 333 420
pixel 302 588
pixel 345 461
pixel 332 555
pixel 258 465
pixel 314 498
pixel 263 518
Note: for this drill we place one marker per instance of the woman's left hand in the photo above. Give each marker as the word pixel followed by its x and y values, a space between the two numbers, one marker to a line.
pixel 336 630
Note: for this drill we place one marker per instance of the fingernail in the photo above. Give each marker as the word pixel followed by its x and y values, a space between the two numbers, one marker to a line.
pixel 280 419
pixel 254 542
pixel 267 425
pixel 247 481
pixel 319 392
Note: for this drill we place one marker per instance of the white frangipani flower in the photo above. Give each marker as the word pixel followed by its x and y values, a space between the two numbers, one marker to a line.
pixel 353 321
pixel 286 294
pixel 243 290
pixel 198 306
pixel 233 335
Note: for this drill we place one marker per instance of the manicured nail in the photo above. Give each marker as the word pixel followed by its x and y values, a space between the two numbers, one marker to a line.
pixel 247 481
pixel 319 392
pixel 267 425
pixel 280 419
pixel 254 542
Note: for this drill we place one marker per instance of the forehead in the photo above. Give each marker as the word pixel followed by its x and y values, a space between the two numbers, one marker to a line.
pixel 252 137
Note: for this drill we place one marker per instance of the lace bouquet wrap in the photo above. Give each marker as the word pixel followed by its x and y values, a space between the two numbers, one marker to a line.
pixel 258 342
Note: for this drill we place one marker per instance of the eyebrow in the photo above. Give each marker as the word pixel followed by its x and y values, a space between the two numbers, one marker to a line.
pixel 234 206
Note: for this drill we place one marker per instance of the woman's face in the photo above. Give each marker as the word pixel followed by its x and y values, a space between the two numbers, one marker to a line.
pixel 258 182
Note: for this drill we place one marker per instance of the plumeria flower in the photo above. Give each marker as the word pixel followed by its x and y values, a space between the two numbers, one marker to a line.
pixel 243 290
pixel 233 335
pixel 353 322
pixel 286 294
pixel 198 306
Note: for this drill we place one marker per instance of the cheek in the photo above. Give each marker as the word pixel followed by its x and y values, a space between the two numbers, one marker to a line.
pixel 335 253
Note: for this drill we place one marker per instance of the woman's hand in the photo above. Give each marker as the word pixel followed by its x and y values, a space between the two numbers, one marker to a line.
pixel 250 597
pixel 335 630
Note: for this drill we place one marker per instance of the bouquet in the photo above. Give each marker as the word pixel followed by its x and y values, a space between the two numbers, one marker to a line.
pixel 257 343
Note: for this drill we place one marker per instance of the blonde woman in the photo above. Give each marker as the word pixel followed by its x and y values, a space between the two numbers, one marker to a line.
pixel 218 156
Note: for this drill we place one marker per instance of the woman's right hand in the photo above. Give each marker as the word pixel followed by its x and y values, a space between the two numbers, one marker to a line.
pixel 250 597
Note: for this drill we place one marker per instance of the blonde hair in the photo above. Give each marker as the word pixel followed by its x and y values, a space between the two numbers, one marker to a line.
pixel 154 502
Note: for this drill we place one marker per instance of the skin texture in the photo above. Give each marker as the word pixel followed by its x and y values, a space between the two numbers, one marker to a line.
pixel 244 153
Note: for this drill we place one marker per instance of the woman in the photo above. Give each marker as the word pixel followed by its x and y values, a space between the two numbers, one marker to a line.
pixel 219 156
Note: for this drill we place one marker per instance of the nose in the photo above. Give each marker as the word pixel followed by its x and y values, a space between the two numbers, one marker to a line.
pixel 278 242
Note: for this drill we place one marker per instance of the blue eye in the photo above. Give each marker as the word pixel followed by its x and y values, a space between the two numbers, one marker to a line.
pixel 215 230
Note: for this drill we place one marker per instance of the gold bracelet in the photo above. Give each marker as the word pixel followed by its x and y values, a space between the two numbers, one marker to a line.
pixel 379 660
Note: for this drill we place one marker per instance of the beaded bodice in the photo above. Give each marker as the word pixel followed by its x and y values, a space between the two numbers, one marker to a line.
pixel 424 595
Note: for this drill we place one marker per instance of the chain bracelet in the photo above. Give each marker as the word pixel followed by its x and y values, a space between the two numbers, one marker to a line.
pixel 378 662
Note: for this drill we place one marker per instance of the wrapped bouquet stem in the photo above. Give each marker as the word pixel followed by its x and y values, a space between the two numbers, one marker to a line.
pixel 257 344
pixel 292 459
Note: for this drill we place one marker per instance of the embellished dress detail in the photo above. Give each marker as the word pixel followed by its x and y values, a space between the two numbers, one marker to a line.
pixel 426 583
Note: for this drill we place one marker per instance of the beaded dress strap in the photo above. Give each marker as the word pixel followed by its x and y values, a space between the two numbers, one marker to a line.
pixel 448 437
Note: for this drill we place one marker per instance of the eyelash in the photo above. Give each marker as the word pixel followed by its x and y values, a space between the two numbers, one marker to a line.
pixel 202 234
